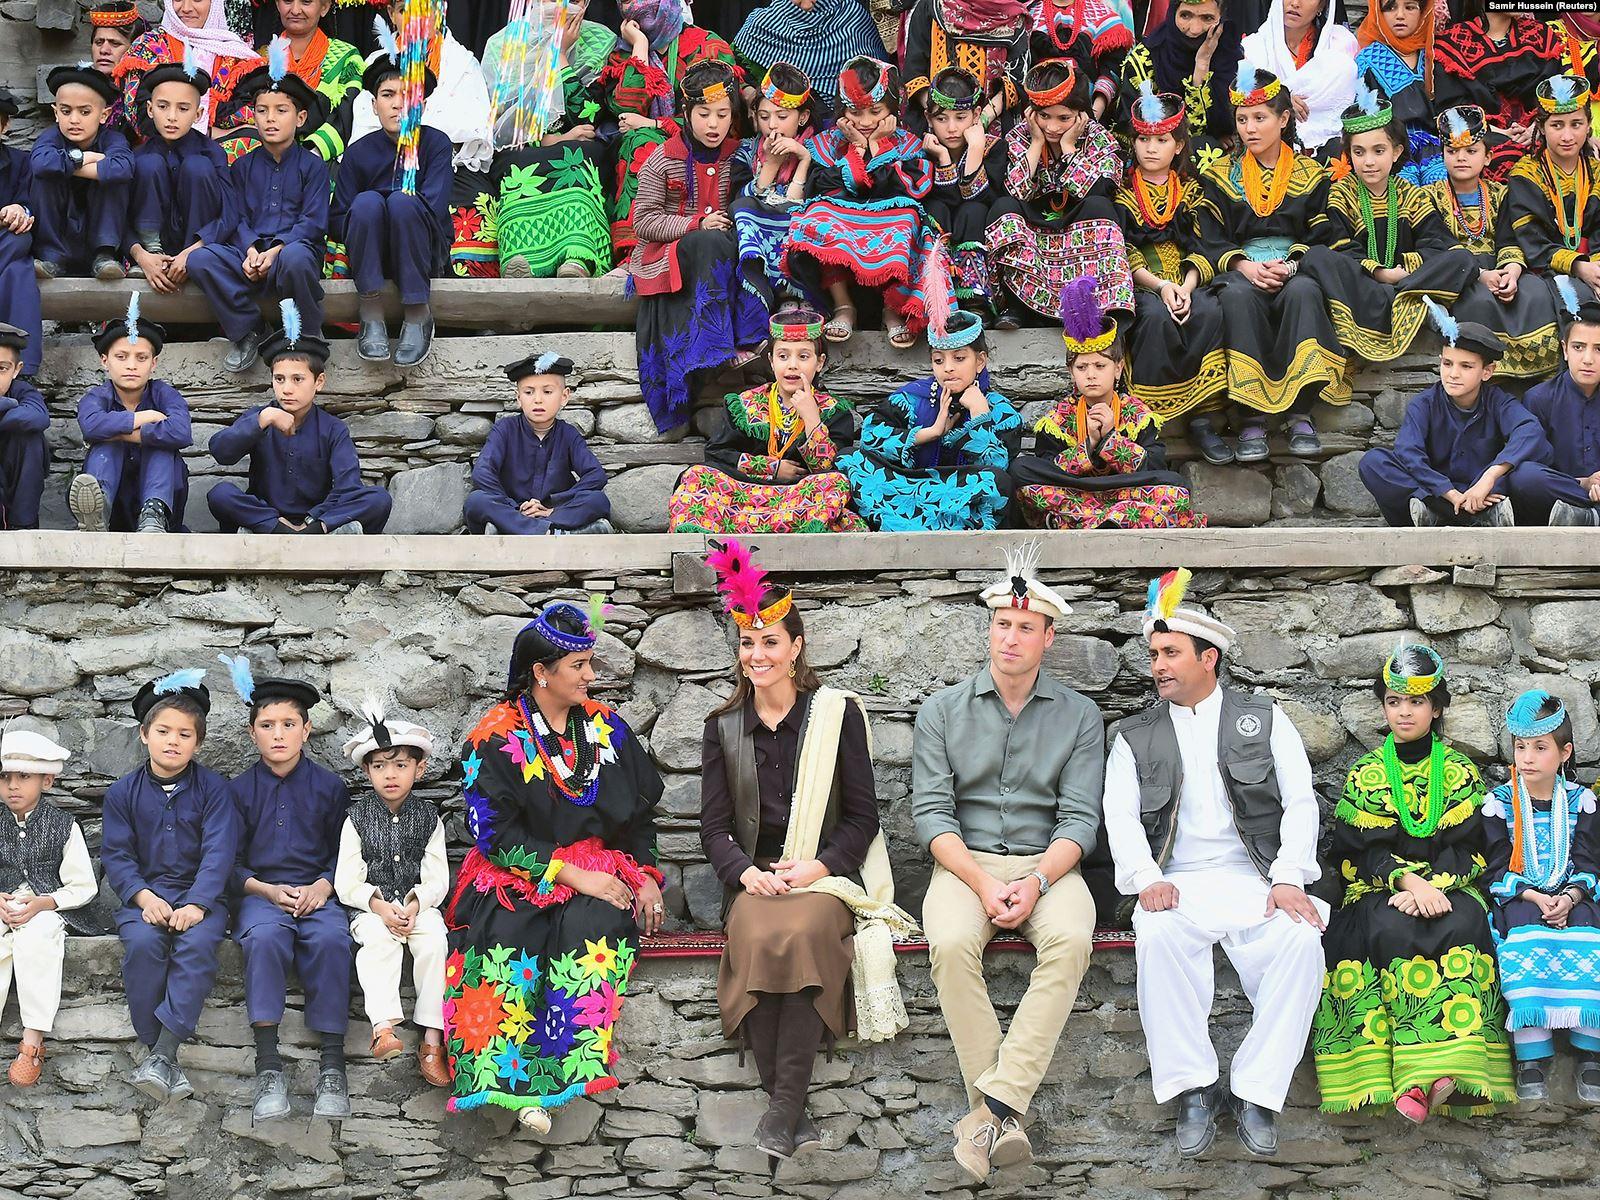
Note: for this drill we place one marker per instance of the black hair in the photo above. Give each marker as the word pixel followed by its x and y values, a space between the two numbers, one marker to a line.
pixel 178 703
pixel 1540 117
pixel 1201 645
pixel 1395 130
pixel 1117 352
pixel 299 706
pixel 1412 661
pixel 1590 318
pixel 317 364
pixel 704 75
pixel 1562 733
pixel 17 350
pixel 533 649
pixel 957 83
pixel 791 79
pixel 1049 75
pixel 867 76
pixel 414 753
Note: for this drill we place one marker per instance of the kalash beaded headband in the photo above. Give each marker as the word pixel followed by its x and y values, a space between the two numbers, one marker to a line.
pixel 1253 95
pixel 783 330
pixel 856 96
pixel 1463 126
pixel 957 103
pixel 1522 720
pixel 1045 97
pixel 1413 685
pixel 114 18
pixel 1156 113
pixel 780 97
pixel 1563 94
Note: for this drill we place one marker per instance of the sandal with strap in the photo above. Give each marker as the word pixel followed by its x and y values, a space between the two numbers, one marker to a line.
pixel 900 335
pixel 840 327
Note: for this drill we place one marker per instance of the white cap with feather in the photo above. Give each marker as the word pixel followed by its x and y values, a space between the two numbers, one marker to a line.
pixel 1019 588
pixel 28 753
pixel 1165 612
pixel 384 733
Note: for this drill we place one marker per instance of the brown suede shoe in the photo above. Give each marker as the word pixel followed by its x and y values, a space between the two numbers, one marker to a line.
pixel 26 1066
pixel 976 1134
pixel 386 1046
pixel 433 1065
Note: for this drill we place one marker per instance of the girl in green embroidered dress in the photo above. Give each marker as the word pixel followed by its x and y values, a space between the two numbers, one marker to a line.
pixel 1411 1012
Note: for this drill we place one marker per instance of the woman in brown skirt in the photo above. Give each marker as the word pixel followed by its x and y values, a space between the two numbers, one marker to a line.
pixel 782 738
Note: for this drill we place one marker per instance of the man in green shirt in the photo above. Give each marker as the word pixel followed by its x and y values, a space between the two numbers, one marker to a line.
pixel 1006 782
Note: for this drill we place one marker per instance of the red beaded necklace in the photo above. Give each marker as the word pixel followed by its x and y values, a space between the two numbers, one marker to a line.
pixel 1157 207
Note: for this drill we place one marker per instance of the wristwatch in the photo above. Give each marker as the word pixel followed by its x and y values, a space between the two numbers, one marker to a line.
pixel 1044 880
pixel 75 157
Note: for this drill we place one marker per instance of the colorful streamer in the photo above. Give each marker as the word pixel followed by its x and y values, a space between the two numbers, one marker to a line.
pixel 421 26
pixel 528 75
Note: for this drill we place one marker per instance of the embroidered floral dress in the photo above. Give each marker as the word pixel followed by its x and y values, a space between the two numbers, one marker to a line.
pixel 1409 1000
pixel 537 972
pixel 1120 482
pixel 956 481
pixel 737 490
pixel 1547 974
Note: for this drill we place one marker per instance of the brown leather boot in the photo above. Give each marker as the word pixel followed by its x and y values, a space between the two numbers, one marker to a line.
pixel 799 1036
pixel 760 1027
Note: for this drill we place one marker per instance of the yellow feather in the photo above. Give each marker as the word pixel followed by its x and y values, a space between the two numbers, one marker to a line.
pixel 1173 591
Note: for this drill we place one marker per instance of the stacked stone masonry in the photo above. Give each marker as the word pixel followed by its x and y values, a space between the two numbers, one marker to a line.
pixel 418 433
pixel 74 645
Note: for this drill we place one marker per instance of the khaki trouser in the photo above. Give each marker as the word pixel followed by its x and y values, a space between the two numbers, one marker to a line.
pixel 1061 929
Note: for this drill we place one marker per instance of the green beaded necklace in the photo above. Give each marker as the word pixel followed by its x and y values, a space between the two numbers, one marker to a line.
pixel 1397 793
pixel 1391 203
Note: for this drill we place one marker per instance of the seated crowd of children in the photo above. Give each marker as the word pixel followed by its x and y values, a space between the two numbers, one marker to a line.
pixel 1223 243
pixel 280 859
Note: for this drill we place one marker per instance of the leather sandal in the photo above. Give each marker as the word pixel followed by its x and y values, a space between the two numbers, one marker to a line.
pixel 432 1065
pixel 385 1045
pixel 25 1068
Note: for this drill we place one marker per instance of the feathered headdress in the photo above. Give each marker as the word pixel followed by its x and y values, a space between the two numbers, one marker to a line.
pixel 1165 612
pixel 179 680
pixel 597 611
pixel 1149 102
pixel 1020 588
pixel 385 36
pixel 1253 86
pixel 278 58
pixel 383 733
pixel 1449 328
pixel 191 65
pixel 1166 592
pixel 1155 113
pixel 1370 110
pixel 244 682
pixel 1085 328
pixel 131 321
pixel 1523 719
pixel 1562 94
pixel 1455 123
pixel 743 584
pixel 1462 126
pixel 1568 293
pixel 1412 685
pixel 290 312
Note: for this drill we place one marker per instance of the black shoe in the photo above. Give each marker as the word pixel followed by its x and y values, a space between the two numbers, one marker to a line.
pixel 773 1137
pixel 1197 1121
pixel 372 343
pixel 806 1134
pixel 1303 439
pixel 43 268
pixel 1588 1077
pixel 1251 445
pixel 1531 1085
pixel 154 517
pixel 154 1078
pixel 1009 319
pixel 1213 446
pixel 1258 1128
pixel 333 1095
pixel 272 1097
pixel 108 267
pixel 415 344
pixel 242 354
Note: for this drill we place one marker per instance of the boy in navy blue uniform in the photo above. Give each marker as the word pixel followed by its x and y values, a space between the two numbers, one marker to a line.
pixel 182 198
pixel 23 421
pixel 291 813
pixel 19 289
pixel 278 247
pixel 536 474
pixel 168 839
pixel 82 181
pixel 1564 488
pixel 1459 441
pixel 388 234
pixel 135 428
pixel 304 474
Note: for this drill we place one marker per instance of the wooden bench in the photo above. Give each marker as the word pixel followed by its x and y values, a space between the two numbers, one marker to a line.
pixel 492 305
pixel 708 944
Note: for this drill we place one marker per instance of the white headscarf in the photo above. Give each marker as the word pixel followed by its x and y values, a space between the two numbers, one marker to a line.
pixel 209 42
pixel 1327 83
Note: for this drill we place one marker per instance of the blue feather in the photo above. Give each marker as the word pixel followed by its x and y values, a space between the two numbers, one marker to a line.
pixel 179 680
pixel 239 671
pixel 1152 597
pixel 1449 328
pixel 544 362
pixel 290 312
pixel 190 63
pixel 1569 295
pixel 1366 99
pixel 1248 79
pixel 386 41
pixel 1455 122
pixel 278 58
pixel 132 324
pixel 1563 88
pixel 1150 109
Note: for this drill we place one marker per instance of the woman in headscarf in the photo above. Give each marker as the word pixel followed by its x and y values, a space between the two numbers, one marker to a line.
pixel 817 36
pixel 1396 39
pixel 656 49
pixel 1194 53
pixel 989 38
pixel 551 217
pixel 1314 56
pixel 198 28
pixel 1095 34
pixel 789 822
pixel 560 881
pixel 327 65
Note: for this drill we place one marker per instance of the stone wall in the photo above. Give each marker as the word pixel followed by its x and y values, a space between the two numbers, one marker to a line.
pixel 76 643
pixel 418 433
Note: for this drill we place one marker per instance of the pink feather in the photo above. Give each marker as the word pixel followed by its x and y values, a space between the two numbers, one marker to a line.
pixel 740 581
pixel 936 288
pixel 1081 316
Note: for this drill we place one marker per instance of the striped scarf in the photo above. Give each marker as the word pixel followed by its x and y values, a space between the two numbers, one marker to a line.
pixel 819 42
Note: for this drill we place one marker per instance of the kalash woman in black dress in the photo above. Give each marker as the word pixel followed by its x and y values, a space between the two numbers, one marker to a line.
pixel 550 902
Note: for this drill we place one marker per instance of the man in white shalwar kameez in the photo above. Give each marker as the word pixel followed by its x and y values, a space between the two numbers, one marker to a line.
pixel 1212 822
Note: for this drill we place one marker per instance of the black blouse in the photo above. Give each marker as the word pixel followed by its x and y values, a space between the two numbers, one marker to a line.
pixel 777 754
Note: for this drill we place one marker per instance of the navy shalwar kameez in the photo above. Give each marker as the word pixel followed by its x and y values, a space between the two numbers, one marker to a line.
pixel 289 834
pixel 76 218
pixel 24 458
pixel 182 847
pixel 19 287
pixel 390 235
pixel 517 465
pixel 311 473
pixel 182 192
pixel 282 202
pixel 131 473
pixel 1571 423
pixel 1441 447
